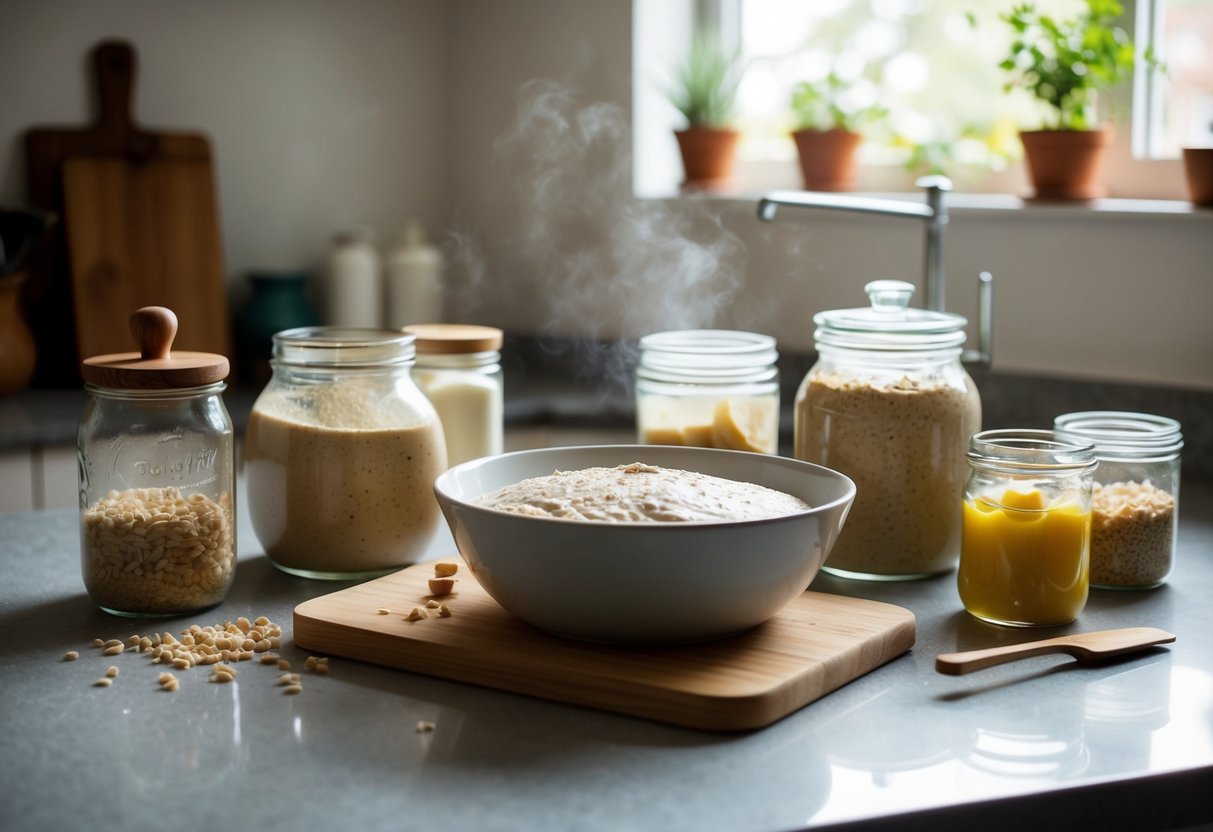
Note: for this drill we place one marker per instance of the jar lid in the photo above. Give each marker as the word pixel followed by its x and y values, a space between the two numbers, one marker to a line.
pixel 1124 436
pixel 889 323
pixel 155 366
pixel 448 339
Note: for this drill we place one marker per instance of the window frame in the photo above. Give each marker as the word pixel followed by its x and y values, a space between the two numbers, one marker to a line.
pixel 1131 168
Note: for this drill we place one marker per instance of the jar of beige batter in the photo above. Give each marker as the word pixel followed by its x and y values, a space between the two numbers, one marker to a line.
pixel 889 405
pixel 341 454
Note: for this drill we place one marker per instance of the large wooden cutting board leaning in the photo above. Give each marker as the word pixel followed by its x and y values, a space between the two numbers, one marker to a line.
pixel 140 225
pixel 815 645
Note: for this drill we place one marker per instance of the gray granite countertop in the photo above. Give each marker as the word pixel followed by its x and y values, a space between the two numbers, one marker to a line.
pixel 1042 743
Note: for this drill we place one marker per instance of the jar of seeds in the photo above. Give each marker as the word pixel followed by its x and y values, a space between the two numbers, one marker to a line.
pixel 889 404
pixel 1135 499
pixel 156 476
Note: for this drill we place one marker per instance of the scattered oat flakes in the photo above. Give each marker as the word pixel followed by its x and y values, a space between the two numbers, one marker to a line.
pixel 383 611
pixel 444 569
pixel 416 614
pixel 444 611
pixel 111 672
pixel 291 690
pixel 70 656
pixel 103 682
pixel 441 586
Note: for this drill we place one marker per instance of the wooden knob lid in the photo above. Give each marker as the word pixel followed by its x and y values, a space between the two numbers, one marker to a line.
pixel 155 366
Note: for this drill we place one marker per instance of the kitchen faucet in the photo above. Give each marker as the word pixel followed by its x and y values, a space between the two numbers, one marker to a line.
pixel 935 216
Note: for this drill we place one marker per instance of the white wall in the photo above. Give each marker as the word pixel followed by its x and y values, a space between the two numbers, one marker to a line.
pixel 322 115
pixel 508 122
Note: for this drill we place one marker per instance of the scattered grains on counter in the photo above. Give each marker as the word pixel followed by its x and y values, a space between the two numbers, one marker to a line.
pixel 111 672
pixel 103 682
pixel 424 726
pixel 98 642
pixel 1132 534
pixel 444 611
pixel 269 658
pixel 155 550
pixel 70 656
pixel 291 690
pixel 417 614
pixel 444 569
pixel 432 604
pixel 283 664
pixel 288 679
pixel 441 586
pixel 383 611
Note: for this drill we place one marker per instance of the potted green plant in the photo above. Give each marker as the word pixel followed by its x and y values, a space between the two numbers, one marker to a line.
pixel 705 92
pixel 827 133
pixel 1064 63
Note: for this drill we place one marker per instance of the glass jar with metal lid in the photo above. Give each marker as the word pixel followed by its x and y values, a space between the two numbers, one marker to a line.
pixel 889 404
pixel 709 388
pixel 341 454
pixel 157 479
pixel 1135 502
pixel 459 370
pixel 1025 552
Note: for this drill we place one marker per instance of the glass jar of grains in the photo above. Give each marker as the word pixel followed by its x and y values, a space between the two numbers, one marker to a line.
pixel 157 483
pixel 341 454
pixel 459 370
pixel 1025 550
pixel 708 388
pixel 1135 500
pixel 889 405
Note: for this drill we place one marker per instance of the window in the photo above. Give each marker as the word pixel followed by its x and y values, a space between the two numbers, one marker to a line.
pixel 933 66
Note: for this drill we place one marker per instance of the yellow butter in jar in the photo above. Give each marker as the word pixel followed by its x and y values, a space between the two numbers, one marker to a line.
pixel 1025 544
pixel 709 389
pixel 341 455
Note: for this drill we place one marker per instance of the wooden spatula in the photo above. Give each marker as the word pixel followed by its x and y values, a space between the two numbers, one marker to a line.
pixel 1086 647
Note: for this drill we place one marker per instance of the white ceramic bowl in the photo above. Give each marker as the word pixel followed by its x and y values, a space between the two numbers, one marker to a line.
pixel 654 583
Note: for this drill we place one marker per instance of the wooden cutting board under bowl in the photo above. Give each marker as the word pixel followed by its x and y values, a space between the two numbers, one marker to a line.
pixel 814 645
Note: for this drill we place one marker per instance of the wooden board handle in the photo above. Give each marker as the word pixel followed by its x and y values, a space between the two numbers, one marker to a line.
pixel 115 63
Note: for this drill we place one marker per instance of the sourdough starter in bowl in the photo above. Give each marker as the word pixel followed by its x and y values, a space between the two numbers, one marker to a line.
pixel 640 493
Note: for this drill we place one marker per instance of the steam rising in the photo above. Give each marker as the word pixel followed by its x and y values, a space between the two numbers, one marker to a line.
pixel 590 259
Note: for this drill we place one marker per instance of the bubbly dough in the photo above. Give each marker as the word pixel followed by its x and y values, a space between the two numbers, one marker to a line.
pixel 639 493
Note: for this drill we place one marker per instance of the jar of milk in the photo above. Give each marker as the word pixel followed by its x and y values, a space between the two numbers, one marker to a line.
pixel 889 404
pixel 459 370
pixel 341 454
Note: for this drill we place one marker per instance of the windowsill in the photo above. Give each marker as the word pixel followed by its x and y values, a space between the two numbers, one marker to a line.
pixel 988 203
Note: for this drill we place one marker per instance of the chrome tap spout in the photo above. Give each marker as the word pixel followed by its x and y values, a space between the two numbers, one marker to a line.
pixel 934 215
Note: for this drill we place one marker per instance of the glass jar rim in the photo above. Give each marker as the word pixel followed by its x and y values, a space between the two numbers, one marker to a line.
pixel 1124 435
pixel 1023 450
pixel 343 348
pixel 155 393
pixel 708 356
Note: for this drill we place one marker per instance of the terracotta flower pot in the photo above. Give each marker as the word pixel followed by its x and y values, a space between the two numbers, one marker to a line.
pixel 1198 170
pixel 827 158
pixel 708 154
pixel 1064 165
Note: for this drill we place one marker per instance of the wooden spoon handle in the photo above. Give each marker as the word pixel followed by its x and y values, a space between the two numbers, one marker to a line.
pixel 956 664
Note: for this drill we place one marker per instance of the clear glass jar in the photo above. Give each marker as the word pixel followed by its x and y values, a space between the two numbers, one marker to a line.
pixel 708 388
pixel 459 370
pixel 341 454
pixel 156 478
pixel 889 404
pixel 1025 550
pixel 1135 502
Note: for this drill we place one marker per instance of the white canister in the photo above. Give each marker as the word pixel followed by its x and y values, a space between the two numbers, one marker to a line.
pixel 413 274
pixel 459 370
pixel 353 290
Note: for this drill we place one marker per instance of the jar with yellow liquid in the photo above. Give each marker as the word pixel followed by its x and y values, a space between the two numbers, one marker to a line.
pixel 1026 534
pixel 709 388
